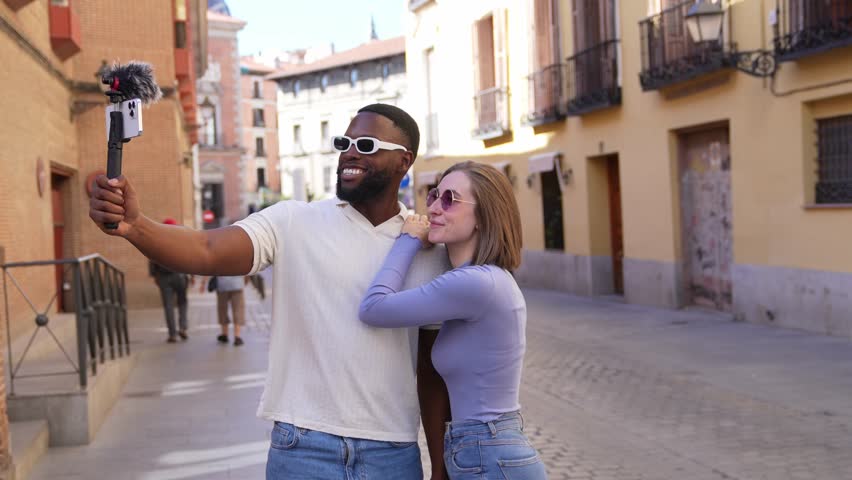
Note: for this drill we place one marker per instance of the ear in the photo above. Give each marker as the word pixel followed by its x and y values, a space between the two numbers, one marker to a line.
pixel 407 161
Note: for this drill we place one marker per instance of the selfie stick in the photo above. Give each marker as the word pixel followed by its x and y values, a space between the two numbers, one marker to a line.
pixel 134 80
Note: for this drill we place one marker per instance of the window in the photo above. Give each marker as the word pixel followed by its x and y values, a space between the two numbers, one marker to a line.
pixel 834 160
pixel 256 91
pixel 209 134
pixel 353 77
pixel 297 139
pixel 259 151
pixel 326 179
pixel 257 117
pixel 180 22
pixel 261 177
pixel 325 138
pixel 385 70
pixel 323 82
pixel 489 72
pixel 297 86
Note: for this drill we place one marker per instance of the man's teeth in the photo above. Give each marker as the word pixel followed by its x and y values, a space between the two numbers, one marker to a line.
pixel 352 171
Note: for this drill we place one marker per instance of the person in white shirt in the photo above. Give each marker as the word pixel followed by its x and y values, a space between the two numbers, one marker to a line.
pixel 342 394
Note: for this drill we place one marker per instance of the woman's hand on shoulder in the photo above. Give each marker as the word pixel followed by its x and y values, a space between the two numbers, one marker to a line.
pixel 418 227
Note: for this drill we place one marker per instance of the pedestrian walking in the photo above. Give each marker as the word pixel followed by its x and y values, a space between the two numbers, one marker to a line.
pixel 343 396
pixel 172 286
pixel 229 292
pixel 480 350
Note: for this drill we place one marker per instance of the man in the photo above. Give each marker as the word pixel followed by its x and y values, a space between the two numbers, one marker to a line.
pixel 229 291
pixel 342 395
pixel 172 286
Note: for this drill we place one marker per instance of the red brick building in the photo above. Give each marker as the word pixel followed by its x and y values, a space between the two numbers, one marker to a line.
pixel 53 137
pixel 222 170
pixel 259 134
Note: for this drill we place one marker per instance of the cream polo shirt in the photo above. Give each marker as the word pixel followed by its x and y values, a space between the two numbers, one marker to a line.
pixel 328 371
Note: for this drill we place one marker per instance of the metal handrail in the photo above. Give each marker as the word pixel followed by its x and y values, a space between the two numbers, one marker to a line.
pixel 100 304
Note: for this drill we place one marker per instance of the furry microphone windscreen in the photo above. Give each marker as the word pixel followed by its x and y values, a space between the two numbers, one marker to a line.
pixel 135 80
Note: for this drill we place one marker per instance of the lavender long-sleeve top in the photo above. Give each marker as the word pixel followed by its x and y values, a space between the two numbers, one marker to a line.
pixel 480 348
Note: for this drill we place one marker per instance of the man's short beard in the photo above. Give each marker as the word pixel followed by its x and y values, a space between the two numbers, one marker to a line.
pixel 370 187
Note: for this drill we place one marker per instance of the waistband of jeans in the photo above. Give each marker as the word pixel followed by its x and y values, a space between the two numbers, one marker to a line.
pixel 506 421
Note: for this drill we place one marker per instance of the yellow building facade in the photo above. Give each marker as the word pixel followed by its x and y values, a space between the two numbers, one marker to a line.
pixel 677 171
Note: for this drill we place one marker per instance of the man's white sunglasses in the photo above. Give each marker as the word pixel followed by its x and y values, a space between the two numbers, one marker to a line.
pixel 364 145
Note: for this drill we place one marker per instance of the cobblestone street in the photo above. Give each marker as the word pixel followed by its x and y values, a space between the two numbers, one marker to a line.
pixel 611 391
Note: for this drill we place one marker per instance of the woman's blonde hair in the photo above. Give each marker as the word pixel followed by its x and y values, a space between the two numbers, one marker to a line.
pixel 497 215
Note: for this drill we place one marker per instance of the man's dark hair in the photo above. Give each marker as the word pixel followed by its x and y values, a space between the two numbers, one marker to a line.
pixel 400 119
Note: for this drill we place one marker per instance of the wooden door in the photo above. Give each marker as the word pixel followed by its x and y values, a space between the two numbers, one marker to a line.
pixel 57 206
pixel 616 229
pixel 705 180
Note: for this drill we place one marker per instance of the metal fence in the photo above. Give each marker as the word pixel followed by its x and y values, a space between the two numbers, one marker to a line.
pixel 593 78
pixel 804 27
pixel 100 307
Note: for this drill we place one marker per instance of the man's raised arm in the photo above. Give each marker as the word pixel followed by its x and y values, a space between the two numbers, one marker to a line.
pixel 223 251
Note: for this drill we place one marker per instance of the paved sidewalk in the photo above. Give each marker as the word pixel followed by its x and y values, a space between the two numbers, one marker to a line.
pixel 611 391
pixel 187 411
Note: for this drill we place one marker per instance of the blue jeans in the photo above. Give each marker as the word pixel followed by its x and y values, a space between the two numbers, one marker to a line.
pixel 495 450
pixel 300 454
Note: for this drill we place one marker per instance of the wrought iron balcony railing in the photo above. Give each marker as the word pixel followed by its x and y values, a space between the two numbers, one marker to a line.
pixel 806 27
pixel 546 95
pixel 670 56
pixel 491 110
pixel 593 79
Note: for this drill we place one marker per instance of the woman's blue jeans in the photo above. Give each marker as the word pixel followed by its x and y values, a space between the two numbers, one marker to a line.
pixel 496 450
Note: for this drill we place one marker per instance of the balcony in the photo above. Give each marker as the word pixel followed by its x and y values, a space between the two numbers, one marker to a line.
pixel 64 31
pixel 593 79
pixel 546 96
pixel 806 27
pixel 491 110
pixel 669 55
pixel 17 4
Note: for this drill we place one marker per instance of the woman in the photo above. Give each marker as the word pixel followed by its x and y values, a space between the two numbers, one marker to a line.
pixel 480 348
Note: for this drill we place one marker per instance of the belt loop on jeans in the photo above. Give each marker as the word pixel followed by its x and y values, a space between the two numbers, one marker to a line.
pixel 521 416
pixel 493 428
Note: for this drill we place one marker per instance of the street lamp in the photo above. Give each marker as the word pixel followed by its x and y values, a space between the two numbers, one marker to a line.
pixel 704 22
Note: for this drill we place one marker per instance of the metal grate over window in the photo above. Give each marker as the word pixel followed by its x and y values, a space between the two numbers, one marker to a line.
pixel 834 160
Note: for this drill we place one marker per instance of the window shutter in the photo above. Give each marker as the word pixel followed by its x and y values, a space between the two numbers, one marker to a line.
pixel 577 19
pixel 553 6
pixel 500 42
pixel 476 60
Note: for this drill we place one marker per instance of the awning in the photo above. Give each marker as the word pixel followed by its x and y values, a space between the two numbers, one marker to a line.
pixel 543 162
pixel 427 178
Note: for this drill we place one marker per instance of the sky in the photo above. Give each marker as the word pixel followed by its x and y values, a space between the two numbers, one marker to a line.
pixel 294 24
